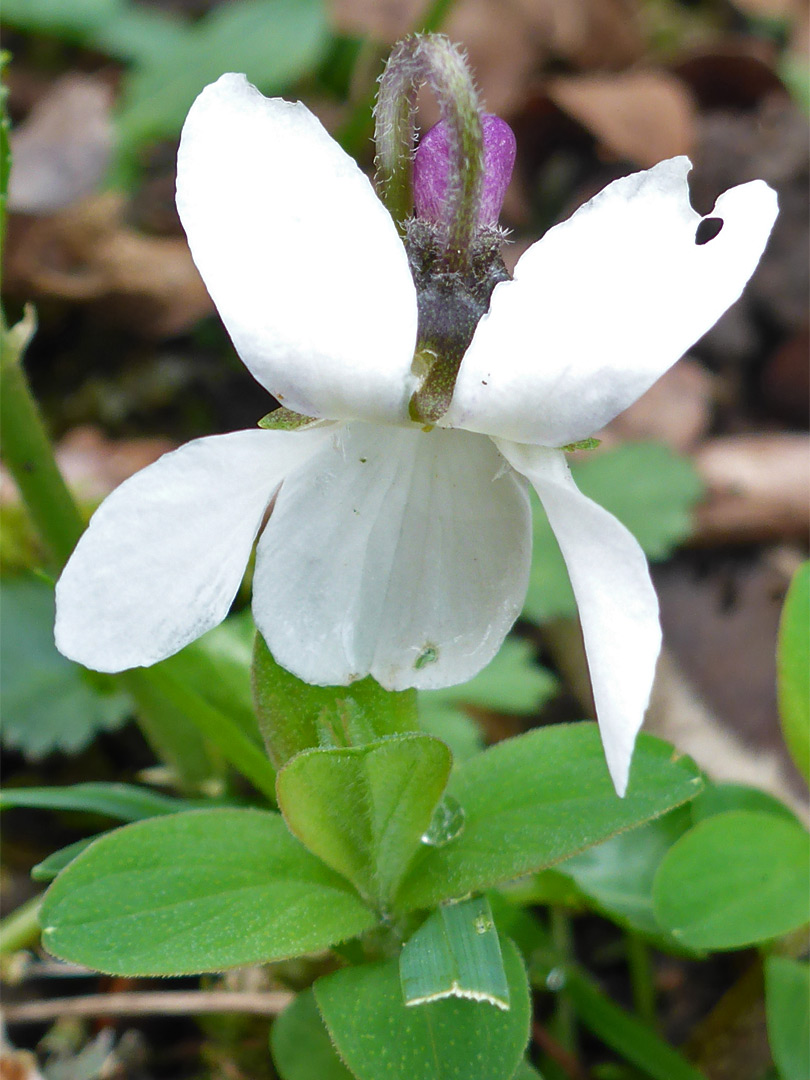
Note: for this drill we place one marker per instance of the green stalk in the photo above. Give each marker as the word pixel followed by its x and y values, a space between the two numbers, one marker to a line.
pixel 564 1023
pixel 20 929
pixel 27 451
pixel 639 965
pixel 216 728
pixel 622 1032
pixel 356 132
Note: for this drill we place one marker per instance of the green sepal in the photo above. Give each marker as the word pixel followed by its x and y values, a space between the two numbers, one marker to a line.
pixel 283 419
pixel 363 810
pixel 582 444
pixel 295 716
pixel 455 953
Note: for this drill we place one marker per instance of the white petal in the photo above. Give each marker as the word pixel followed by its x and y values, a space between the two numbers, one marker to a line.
pixel 617 604
pixel 604 304
pixel 394 552
pixel 164 554
pixel 301 258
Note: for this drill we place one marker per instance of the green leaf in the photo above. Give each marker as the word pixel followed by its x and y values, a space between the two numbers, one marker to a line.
pixel 125 802
pixel 300 1043
pixel 787 1001
pixel 141 35
pixel 526 1071
pixel 511 683
pixel 377 1035
pixel 196 892
pixel 733 880
pixel 793 678
pixel 648 487
pixel 618 875
pixel 364 809
pixel 75 20
pixel 719 798
pixel 455 953
pixel 48 702
pixel 274 42
pixel 534 800
pixel 218 667
pixel 216 727
pixel 295 716
pixel 621 1031
pixel 54 863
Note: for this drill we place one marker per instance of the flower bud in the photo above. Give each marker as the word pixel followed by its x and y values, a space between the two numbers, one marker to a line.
pixel 431 169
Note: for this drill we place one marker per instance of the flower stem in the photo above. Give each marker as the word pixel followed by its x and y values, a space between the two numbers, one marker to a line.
pixel 358 129
pixel 639 964
pixel 431 59
pixel 564 1022
pixel 20 929
pixel 27 450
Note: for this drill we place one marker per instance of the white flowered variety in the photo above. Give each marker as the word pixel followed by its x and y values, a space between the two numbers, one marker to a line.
pixel 391 550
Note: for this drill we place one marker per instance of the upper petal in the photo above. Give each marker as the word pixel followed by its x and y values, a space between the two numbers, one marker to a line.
pixel 617 604
pixel 301 258
pixel 163 556
pixel 604 304
pixel 394 552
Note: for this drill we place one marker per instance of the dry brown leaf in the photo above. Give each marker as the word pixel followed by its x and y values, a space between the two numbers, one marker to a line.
pixel 640 116
pixel 508 41
pixel 592 34
pixel 61 152
pixel 88 254
pixel 770 9
pixel 758 488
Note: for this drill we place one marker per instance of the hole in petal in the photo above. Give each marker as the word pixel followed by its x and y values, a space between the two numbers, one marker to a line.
pixel 707 229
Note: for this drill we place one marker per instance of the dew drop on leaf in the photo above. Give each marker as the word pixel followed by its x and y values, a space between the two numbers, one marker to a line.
pixel 446 824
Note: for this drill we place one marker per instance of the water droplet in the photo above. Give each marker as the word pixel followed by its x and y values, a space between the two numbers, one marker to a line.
pixel 555 980
pixel 446 824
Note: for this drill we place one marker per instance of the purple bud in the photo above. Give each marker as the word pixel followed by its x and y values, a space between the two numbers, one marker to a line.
pixel 432 165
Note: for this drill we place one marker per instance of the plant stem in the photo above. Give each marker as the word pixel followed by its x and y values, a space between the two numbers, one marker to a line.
pixel 27 450
pixel 564 1022
pixel 639 964
pixel 21 928
pixel 357 131
pixel 157 1003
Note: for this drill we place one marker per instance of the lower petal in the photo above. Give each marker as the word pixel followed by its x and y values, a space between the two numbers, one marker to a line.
pixel 394 552
pixel 164 554
pixel 617 604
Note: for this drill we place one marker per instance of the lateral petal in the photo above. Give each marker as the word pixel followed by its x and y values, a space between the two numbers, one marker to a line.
pixel 604 304
pixel 618 608
pixel 164 554
pixel 395 552
pixel 299 255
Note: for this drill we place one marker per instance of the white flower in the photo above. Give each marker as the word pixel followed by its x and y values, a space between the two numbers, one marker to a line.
pixel 393 550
